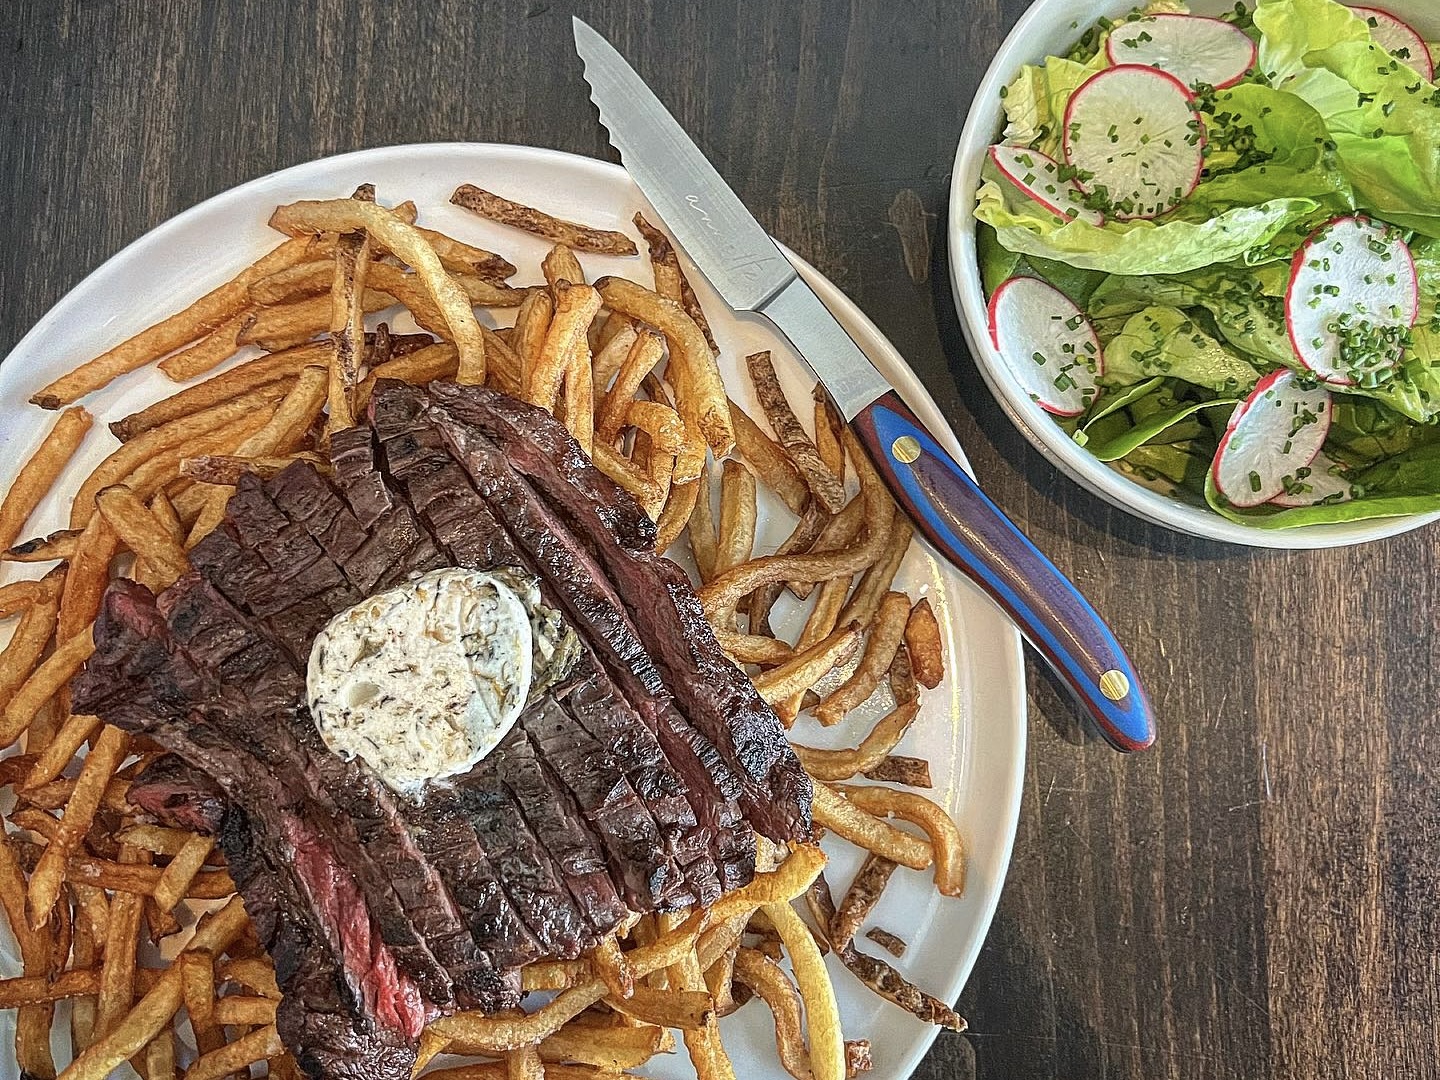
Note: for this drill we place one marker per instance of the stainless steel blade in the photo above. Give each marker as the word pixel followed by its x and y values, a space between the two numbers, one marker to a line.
pixel 710 222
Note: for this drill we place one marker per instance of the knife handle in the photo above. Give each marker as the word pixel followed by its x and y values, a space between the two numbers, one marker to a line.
pixel 973 533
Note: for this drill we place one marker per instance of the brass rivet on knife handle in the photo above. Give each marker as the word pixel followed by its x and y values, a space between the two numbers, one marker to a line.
pixel 905 449
pixel 1114 685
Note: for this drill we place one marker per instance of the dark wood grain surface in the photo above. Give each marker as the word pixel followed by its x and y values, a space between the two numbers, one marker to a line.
pixel 1254 898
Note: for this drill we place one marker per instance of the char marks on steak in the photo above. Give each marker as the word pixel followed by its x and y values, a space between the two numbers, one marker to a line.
pixel 633 783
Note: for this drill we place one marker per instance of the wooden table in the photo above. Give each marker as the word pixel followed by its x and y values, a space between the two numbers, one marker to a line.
pixel 1254 898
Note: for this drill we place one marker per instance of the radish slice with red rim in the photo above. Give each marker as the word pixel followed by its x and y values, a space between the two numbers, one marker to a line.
pixel 1399 39
pixel 1322 481
pixel 1273 434
pixel 1038 176
pixel 1352 299
pixel 1196 49
pixel 1134 136
pixel 1048 344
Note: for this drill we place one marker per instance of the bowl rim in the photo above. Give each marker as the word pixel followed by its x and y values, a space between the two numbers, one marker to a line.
pixel 1039 428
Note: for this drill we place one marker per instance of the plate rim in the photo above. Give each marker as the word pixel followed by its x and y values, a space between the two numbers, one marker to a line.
pixel 1013 734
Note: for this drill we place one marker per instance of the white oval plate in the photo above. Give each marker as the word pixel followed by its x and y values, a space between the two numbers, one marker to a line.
pixel 972 728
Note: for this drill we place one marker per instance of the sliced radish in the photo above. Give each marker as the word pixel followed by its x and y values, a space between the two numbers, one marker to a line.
pixel 1135 137
pixel 1049 345
pixel 1320 481
pixel 1352 297
pixel 1037 176
pixel 1399 39
pixel 1194 48
pixel 1275 432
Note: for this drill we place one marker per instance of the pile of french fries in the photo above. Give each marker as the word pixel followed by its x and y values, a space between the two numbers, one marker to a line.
pixel 94 894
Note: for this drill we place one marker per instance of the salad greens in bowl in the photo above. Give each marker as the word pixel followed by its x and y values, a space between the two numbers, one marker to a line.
pixel 1197 251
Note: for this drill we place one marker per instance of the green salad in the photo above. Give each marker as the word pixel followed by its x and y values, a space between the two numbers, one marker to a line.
pixel 1211 248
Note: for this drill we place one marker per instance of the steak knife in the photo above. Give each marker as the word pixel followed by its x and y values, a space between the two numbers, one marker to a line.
pixel 738 257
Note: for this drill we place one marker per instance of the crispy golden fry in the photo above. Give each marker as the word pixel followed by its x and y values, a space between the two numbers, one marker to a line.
pixel 885 637
pixel 625 473
pixel 860 900
pixel 143 448
pixel 604 1047
pixel 768 458
pixel 676 515
pixel 117 973
pixel 208 313
pixel 175 880
pixel 736 536
pixel 461 258
pixel 647 348
pixel 254 973
pixel 560 264
pixel 702 1039
pixel 18 597
pixel 38 989
pixel 347 327
pixel 280 366
pixel 407 244
pixel 100 764
pixel 802 538
pixel 844 818
pixel 496 1034
pixel 681 1009
pixel 660 422
pixel 553 974
pixel 575 306
pixel 532 324
pixel 822 1014
pixel 699 392
pixel 438 361
pixel 32 1048
pixel 39 473
pixel 293 325
pixel 609 963
pixel 160 1003
pixel 773 986
pixel 736 582
pixel 944 835
pixel 294 282
pixel 139 531
pixel 225 470
pixel 827 488
pixel 44 683
pixel 670 281
pixel 577 402
pixel 523 1063
pixel 209 352
pixel 806 668
pixel 517 215
pixel 76 730
pixel 86 579
pixel 259 1045
pixel 197 979
pixel 866 600
pixel 869 755
pixel 753 648
pixel 612 351
pixel 922 642
pixel 829 424
pixel 156 839
pixel 245 1011
pixel 903 687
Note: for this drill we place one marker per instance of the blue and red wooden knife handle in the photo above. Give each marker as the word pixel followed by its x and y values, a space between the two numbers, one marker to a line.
pixel 971 531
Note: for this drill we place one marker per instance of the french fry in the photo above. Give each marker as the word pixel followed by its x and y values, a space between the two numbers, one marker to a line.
pixel 806 668
pixel 773 986
pixel 461 258
pixel 553 974
pixel 175 880
pixel 753 648
pixel 347 324
pixel 624 472
pixel 19 596
pixel 922 642
pixel 44 683
pixel 872 752
pixel 25 990
pixel 243 1010
pixel 829 424
pixel 578 401
pixel 32 1041
pixel 139 531
pixel 518 216
pixel 208 313
pixel 75 731
pixel 612 350
pixel 891 943
pixel 259 1045
pixel 496 1034
pixel 575 306
pixel 19 658
pixel 121 877
pixel 897 769
pixel 836 533
pixel 407 244
pixel 100 764
pixel 700 394
pixel 39 473
pixel 886 634
pixel 768 458
pixel 294 282
pixel 209 352
pixel 646 350
pixel 676 515
pixel 197 981
pixel 604 1047
pixel 736 535
pixel 802 538
pixel 253 973
pixel 117 974
pixel 225 470
pixel 844 818
pixel 870 593
pixel 560 264
pixel 243 378
pixel 86 579
pixel 945 839
pixel 438 361
pixel 859 900
pixel 827 488
pixel 822 1014
pixel 670 280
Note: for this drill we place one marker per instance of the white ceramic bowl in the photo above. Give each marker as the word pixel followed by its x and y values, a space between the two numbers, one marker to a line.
pixel 1049 28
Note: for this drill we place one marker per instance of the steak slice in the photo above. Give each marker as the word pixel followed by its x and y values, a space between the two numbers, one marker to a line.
pixel 714 694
